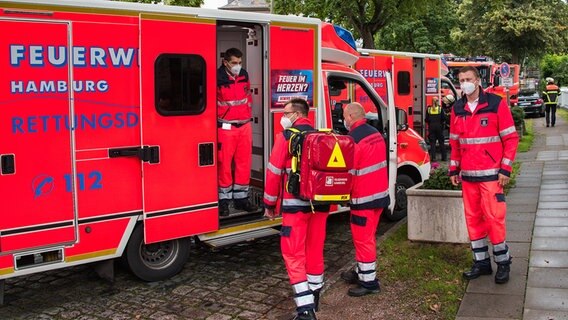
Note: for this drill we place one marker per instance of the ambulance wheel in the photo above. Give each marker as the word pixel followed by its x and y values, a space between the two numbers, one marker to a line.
pixel 156 261
pixel 403 182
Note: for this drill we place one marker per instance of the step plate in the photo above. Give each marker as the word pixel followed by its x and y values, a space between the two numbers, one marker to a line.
pixel 241 237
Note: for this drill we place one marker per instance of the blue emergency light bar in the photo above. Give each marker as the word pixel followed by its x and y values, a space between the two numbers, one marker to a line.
pixel 346 36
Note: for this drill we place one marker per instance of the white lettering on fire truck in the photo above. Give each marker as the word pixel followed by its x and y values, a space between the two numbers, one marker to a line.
pixel 57 86
pixel 58 56
pixel 46 123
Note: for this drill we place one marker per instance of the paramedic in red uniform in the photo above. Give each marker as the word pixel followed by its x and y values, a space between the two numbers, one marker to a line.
pixel 303 228
pixel 234 112
pixel 484 141
pixel 369 196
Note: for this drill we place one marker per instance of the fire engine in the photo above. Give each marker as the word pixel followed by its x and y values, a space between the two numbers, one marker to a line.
pixel 417 78
pixel 109 127
pixel 489 74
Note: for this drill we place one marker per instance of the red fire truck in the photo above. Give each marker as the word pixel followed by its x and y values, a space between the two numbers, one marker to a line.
pixel 109 125
pixel 489 73
pixel 417 78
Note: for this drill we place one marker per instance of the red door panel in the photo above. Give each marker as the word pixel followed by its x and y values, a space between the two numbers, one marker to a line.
pixel 179 192
pixel 37 207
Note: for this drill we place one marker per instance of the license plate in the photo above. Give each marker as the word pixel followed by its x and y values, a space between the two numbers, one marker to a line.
pixel 524 103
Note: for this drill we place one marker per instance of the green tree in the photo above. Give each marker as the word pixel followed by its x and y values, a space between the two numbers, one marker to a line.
pixel 364 17
pixel 512 29
pixel 425 31
pixel 555 66
pixel 183 3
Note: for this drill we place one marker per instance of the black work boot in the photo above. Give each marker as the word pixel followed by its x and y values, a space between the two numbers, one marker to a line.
pixel 306 315
pixel 479 268
pixel 224 208
pixel 360 291
pixel 502 274
pixel 316 294
pixel 350 277
pixel 246 205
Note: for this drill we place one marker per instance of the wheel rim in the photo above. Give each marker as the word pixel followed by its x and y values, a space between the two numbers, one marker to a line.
pixel 400 198
pixel 159 255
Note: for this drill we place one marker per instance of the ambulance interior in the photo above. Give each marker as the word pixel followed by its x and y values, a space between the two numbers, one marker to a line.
pixel 249 38
pixel 343 91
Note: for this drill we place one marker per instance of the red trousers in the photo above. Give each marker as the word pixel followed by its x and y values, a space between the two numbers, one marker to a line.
pixel 234 144
pixel 364 225
pixel 485 210
pixel 302 240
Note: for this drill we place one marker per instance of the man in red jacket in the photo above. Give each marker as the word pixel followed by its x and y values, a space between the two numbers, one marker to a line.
pixel 303 226
pixel 234 112
pixel 369 196
pixel 484 141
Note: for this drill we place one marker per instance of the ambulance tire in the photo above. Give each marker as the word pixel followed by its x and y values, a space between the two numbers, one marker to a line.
pixel 403 182
pixel 156 261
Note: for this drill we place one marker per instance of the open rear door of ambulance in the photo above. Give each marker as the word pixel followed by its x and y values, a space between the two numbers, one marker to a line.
pixel 179 126
pixel 294 69
pixel 38 209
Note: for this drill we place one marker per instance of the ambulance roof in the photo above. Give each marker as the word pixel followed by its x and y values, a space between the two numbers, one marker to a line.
pixel 132 8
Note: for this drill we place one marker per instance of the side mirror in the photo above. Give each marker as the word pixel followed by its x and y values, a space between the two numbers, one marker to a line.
pixel 401 120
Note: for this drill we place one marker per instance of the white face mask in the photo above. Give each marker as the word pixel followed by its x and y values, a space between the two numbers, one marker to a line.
pixel 236 69
pixel 285 122
pixel 468 87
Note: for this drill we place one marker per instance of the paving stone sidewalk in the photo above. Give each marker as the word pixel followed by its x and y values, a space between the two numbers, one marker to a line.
pixel 537 233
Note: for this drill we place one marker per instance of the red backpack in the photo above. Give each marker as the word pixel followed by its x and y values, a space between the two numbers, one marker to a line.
pixel 321 164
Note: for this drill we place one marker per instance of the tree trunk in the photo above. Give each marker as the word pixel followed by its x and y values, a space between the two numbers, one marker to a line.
pixel 368 39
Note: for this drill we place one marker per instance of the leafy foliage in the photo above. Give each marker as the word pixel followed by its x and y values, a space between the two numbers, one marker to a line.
pixel 555 66
pixel 439 180
pixel 422 31
pixel 512 29
pixel 364 17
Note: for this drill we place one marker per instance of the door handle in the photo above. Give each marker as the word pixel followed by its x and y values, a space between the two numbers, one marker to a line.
pixel 145 153
pixel 8 164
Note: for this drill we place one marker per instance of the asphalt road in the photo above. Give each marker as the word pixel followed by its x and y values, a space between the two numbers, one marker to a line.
pixel 244 281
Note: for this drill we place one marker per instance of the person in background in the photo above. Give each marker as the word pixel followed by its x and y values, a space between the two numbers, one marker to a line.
pixel 484 142
pixel 550 97
pixel 369 197
pixel 234 112
pixel 303 225
pixel 436 120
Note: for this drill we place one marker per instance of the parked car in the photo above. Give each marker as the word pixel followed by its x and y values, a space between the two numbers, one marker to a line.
pixel 531 102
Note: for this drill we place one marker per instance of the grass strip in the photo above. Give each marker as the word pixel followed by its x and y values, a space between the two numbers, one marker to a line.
pixel 527 140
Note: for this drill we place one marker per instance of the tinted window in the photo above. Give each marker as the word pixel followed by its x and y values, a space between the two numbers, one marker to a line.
pixel 403 81
pixel 179 84
pixel 528 93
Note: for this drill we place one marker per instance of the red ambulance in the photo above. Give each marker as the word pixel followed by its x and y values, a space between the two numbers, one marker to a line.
pixel 109 127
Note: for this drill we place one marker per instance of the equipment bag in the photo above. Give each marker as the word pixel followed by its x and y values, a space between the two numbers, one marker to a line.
pixel 321 164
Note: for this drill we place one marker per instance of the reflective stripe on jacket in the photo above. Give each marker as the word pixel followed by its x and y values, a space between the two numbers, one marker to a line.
pixel 370 177
pixel 277 171
pixel 234 101
pixel 550 96
pixel 484 143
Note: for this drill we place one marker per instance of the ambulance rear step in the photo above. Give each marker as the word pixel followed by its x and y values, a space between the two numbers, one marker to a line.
pixel 240 237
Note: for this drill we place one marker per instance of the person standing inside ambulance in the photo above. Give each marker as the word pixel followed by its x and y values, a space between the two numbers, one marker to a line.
pixel 234 112
pixel 484 142
pixel 303 226
pixel 369 197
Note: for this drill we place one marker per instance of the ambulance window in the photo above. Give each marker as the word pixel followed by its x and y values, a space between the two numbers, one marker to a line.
pixel 403 81
pixel 179 84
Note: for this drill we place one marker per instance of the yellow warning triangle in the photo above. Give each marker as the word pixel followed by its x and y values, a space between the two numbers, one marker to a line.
pixel 336 160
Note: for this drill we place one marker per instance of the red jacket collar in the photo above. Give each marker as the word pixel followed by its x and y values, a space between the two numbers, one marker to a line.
pixel 358 123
